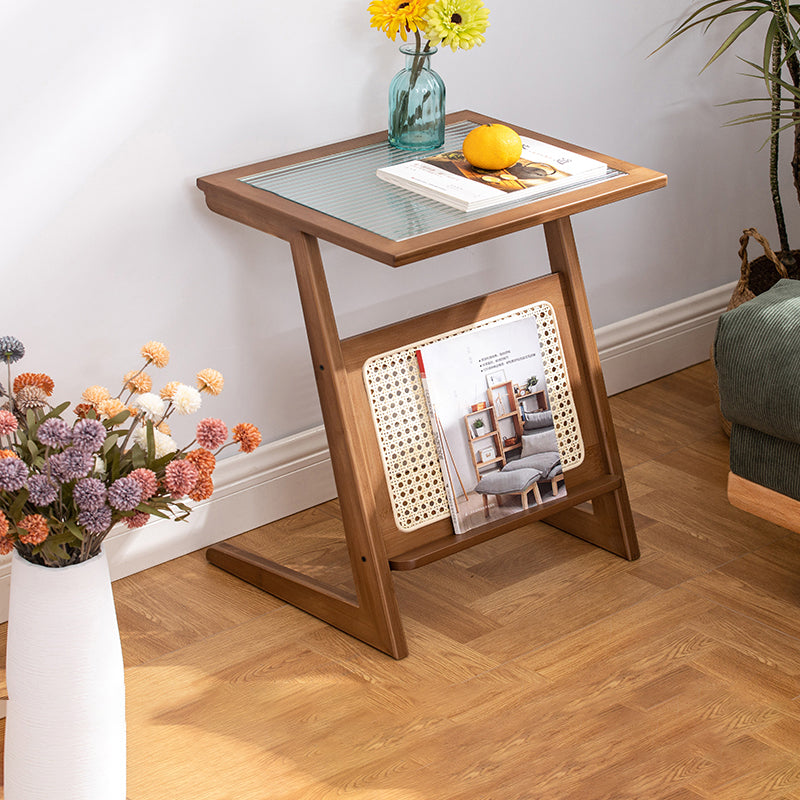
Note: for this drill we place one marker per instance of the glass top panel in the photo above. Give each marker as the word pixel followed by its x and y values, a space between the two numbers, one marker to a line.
pixel 345 186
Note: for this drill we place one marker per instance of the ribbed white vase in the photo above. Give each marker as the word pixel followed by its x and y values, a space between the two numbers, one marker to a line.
pixel 65 717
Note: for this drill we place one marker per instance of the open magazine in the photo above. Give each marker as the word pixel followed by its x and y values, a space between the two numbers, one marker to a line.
pixel 451 179
pixel 488 402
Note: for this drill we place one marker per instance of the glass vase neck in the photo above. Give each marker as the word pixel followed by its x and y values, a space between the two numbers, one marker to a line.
pixel 414 51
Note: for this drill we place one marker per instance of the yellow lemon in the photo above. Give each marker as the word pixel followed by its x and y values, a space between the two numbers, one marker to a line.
pixel 493 146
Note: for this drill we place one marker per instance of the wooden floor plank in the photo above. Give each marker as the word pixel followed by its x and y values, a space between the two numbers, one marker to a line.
pixel 540 666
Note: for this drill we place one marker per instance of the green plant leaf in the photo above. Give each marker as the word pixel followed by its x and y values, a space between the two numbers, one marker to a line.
pixel 74 529
pixel 110 441
pixel 118 419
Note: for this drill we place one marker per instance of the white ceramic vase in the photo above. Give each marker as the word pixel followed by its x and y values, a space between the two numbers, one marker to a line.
pixel 65 718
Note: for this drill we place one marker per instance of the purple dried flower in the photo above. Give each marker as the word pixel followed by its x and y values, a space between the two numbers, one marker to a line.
pixel 13 474
pixel 42 490
pixel 89 494
pixel 96 520
pixel 54 433
pixel 70 465
pixel 125 494
pixel 88 435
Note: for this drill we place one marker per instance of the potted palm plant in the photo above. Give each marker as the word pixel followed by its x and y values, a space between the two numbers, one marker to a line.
pixel 780 72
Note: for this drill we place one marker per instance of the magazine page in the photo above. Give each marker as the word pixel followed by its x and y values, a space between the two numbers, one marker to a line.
pixel 488 403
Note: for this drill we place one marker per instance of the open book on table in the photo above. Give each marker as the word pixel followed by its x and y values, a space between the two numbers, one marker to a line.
pixel 451 179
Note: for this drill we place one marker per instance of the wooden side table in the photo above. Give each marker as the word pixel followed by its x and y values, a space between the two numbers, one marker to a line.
pixel 332 193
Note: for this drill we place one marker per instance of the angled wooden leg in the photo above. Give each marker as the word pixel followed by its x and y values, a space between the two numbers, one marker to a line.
pixel 611 524
pixel 373 615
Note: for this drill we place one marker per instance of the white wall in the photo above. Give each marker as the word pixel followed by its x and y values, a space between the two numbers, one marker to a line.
pixel 111 111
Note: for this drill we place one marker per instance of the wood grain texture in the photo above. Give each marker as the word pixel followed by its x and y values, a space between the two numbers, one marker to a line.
pixel 542 667
pixel 227 195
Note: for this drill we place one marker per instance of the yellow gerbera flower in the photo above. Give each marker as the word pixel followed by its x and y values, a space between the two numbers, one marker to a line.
pixel 457 23
pixel 393 16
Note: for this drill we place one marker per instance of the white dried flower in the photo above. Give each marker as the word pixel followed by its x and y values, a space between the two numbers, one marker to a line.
pixel 187 399
pixel 151 405
pixel 164 444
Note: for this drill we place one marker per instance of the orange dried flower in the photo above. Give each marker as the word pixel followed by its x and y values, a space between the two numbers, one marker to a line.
pixel 82 409
pixel 204 460
pixel 112 407
pixel 3 524
pixel 169 390
pixel 248 436
pixel 8 454
pixel 137 381
pixel 96 395
pixel 156 354
pixel 203 489
pixel 39 379
pixel 210 381
pixel 6 545
pixel 164 427
pixel 36 527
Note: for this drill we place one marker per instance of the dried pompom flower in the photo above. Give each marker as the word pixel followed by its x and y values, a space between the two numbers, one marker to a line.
pixel 210 381
pixel 156 354
pixel 204 460
pixel 137 519
pixel 187 399
pixel 112 407
pixel 89 494
pixel 147 480
pixel 88 435
pixel 163 444
pixel 211 433
pixel 8 422
pixel 36 527
pixel 54 433
pixel 96 395
pixel 11 349
pixel 124 494
pixel 180 476
pixel 70 465
pixel 137 381
pixel 96 520
pixel 30 397
pixel 169 390
pixel 13 474
pixel 41 490
pixel 151 405
pixel 44 382
pixel 203 489
pixel 248 436
pixel 82 409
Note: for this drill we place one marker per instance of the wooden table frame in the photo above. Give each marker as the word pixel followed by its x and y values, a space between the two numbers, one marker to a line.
pixel 375 545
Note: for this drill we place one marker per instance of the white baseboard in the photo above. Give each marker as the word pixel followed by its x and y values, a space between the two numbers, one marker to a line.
pixel 284 477
pixel 654 344
pixel 276 480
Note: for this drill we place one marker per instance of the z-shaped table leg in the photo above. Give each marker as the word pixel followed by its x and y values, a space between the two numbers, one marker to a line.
pixel 373 616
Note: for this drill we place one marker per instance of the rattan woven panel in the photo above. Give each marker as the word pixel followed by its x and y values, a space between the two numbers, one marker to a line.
pixel 405 435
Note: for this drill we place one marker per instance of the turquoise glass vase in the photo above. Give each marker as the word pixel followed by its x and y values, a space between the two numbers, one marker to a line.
pixel 416 103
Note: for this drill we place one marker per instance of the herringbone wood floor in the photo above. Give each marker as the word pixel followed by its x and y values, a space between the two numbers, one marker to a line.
pixel 541 668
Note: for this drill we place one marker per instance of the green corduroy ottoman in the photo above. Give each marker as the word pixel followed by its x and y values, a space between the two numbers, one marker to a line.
pixel 757 357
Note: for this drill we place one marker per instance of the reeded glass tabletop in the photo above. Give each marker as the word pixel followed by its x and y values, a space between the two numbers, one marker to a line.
pixel 345 186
